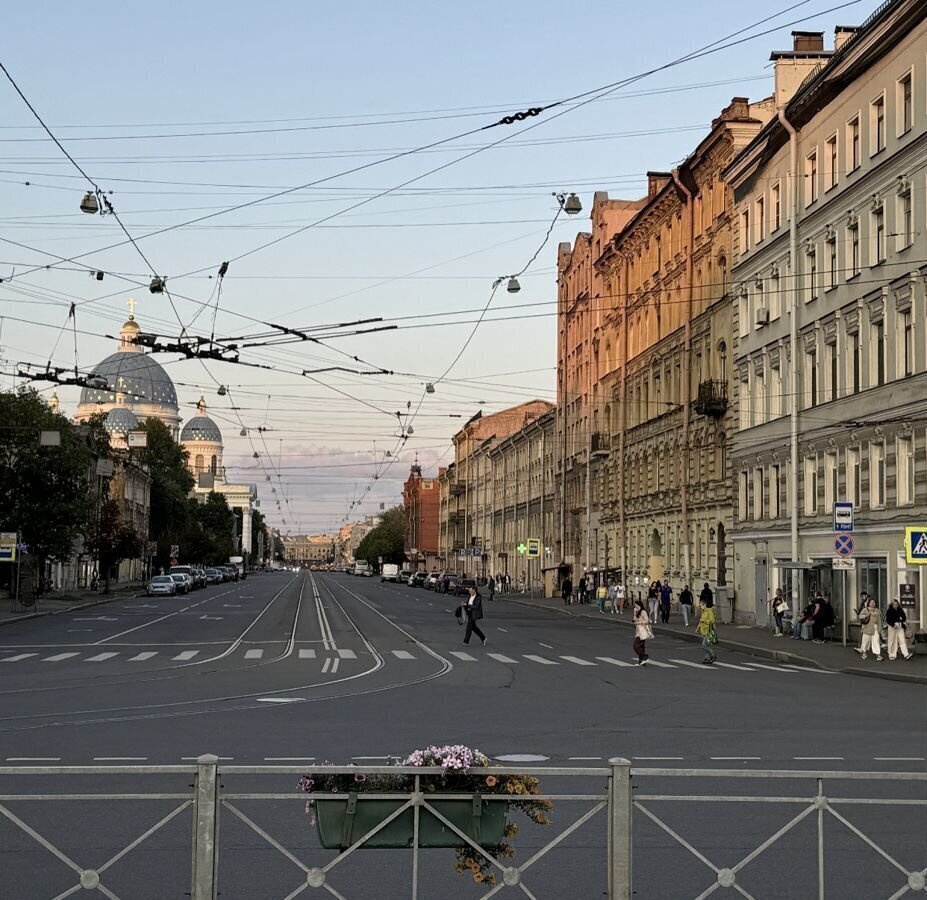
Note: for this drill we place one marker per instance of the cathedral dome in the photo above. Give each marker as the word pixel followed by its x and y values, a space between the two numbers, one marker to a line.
pixel 201 428
pixel 138 376
pixel 120 420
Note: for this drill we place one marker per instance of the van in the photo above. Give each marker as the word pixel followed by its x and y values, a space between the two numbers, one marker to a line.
pixel 362 567
pixel 389 572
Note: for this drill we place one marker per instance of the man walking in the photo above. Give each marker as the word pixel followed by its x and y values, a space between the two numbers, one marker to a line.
pixel 666 596
pixel 490 587
pixel 474 612
pixel 566 591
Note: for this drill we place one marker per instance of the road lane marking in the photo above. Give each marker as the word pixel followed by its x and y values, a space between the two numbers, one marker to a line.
pixel 253 654
pixel 771 668
pixel 58 657
pixel 187 654
pixel 734 758
pixel 326 664
pixel 289 759
pixel 614 662
pixel 808 669
pixel 328 639
pixel 100 657
pixel 33 759
pixel 548 646
pixel 307 654
pixel 18 657
pixel 504 630
pixel 659 665
pixel 818 758
pixel 732 666
pixel 335 663
pixel 500 657
pixel 120 758
pixel 466 657
pixel 578 661
pixel 347 654
pixel 402 654
pixel 141 657
pixel 196 758
pixel 281 699
pixel 686 662
pixel 659 758
pixel 898 758
pixel 541 660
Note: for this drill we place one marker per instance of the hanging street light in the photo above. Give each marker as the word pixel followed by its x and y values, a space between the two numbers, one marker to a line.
pixel 571 206
pixel 243 432
pixel 513 287
pixel 222 391
pixel 90 204
pixel 429 388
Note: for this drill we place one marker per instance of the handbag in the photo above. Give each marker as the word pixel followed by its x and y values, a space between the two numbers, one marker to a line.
pixel 782 607
pixel 712 635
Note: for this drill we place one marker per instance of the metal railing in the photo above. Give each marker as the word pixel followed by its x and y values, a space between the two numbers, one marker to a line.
pixel 614 819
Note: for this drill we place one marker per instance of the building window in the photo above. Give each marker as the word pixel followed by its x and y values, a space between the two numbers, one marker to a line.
pixel 759 396
pixel 876 476
pixel 745 231
pixel 811 280
pixel 905 105
pixel 760 219
pixel 855 361
pixel 905 465
pixel 775 300
pixel 830 388
pixel 878 235
pixel 760 299
pixel 877 343
pixel 758 498
pixel 811 178
pixel 742 497
pixel 905 219
pixel 774 475
pixel 775 196
pixel 811 486
pixel 854 157
pixel 832 262
pixel 877 125
pixel 775 393
pixel 811 378
pixel 906 327
pixel 854 478
pixel 831 171
pixel 830 480
pixel 853 236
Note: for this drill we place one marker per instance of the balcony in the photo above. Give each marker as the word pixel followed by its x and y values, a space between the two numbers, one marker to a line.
pixel 711 399
pixel 601 443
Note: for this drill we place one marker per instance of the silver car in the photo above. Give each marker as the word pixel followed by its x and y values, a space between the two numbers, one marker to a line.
pixel 161 584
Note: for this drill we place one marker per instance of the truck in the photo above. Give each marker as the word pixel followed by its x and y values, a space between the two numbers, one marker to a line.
pixel 389 572
pixel 362 567
pixel 239 563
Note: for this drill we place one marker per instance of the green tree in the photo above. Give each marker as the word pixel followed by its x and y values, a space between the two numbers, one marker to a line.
pixel 171 483
pixel 111 540
pixel 217 523
pixel 45 492
pixel 385 540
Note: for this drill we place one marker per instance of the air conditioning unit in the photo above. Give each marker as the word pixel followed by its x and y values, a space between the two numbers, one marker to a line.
pixel 762 317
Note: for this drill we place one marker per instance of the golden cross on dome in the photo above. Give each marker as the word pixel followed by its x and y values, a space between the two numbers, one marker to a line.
pixel 131 304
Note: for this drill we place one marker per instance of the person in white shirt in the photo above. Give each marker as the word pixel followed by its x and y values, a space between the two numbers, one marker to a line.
pixel 619 597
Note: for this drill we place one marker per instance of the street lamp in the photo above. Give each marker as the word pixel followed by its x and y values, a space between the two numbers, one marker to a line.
pixel 513 287
pixel 571 205
pixel 90 204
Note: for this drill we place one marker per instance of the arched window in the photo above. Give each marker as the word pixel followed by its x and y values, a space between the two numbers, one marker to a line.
pixel 722 361
pixel 198 463
pixel 212 464
pixel 722 273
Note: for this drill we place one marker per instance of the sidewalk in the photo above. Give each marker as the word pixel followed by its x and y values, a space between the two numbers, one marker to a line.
pixel 53 606
pixel 833 657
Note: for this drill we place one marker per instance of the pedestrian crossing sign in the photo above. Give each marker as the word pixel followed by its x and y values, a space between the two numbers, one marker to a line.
pixel 915 544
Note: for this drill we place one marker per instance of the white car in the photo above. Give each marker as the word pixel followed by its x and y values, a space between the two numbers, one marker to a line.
pixel 161 584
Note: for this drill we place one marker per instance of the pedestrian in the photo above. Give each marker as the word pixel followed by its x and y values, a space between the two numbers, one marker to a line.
pixel 601 595
pixel 581 590
pixel 642 632
pixel 666 597
pixel 566 591
pixel 706 628
pixel 612 594
pixel 490 587
pixel 685 604
pixel 871 620
pixel 863 604
pixel 818 619
pixel 827 617
pixel 706 594
pixel 620 597
pixel 896 620
pixel 474 612
pixel 653 599
pixel 778 608
pixel 508 582
pixel 801 631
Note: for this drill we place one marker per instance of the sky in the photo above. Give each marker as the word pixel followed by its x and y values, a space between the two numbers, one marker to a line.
pixel 184 110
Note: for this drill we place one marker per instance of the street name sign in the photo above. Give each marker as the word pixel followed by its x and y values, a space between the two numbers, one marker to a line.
pixel 843 517
pixel 915 544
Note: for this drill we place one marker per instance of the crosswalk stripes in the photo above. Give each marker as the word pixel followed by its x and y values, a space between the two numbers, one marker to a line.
pixel 101 657
pixel 18 657
pixel 660 665
pixel 578 661
pixel 403 654
pixel 347 653
pixel 541 660
pixel 614 662
pixel 254 654
pixel 306 654
pixel 499 657
pixel 187 654
pixel 141 657
pixel 687 662
pixel 466 657
pixel 725 665
pixel 771 668
pixel 59 657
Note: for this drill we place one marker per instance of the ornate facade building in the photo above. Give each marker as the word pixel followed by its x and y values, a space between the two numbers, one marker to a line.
pixel 831 320
pixel 658 502
pixel 421 507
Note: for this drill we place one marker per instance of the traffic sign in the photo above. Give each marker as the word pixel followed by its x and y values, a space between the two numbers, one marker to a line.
pixel 475 551
pixel 462 553
pixel 907 594
pixel 915 544
pixel 843 517
pixel 844 545
pixel 841 563
pixel 8 541
pixel 534 548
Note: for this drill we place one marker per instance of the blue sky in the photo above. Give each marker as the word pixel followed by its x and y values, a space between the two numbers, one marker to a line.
pixel 124 86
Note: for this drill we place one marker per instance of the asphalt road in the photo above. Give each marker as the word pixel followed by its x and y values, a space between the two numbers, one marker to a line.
pixel 288 669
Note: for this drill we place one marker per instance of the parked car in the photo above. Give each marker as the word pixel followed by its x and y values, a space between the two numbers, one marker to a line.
pixel 199 577
pixel 418 579
pixel 181 582
pixel 161 584
pixel 389 572
pixel 187 573
pixel 432 581
pixel 214 576
pixel 462 586
pixel 405 575
pixel 448 582
pixel 231 571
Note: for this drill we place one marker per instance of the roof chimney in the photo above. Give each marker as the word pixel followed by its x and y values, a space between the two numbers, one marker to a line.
pixel 656 181
pixel 805 41
pixel 842 33
pixel 793 66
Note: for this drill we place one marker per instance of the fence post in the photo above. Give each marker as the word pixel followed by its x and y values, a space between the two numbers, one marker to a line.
pixel 205 827
pixel 619 829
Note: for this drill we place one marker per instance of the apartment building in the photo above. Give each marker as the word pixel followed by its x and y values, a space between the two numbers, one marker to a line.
pixel 830 351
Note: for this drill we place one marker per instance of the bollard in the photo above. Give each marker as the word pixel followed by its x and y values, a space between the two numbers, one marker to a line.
pixel 620 808
pixel 205 828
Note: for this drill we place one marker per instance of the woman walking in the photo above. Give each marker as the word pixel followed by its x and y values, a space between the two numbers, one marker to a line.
pixel 642 632
pixel 871 620
pixel 685 604
pixel 896 620
pixel 706 628
pixel 474 611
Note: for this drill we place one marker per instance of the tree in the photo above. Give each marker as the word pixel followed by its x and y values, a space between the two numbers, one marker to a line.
pixel 385 540
pixel 171 483
pixel 44 491
pixel 217 523
pixel 111 540
pixel 259 527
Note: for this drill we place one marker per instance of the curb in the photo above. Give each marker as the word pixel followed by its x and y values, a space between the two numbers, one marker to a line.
pixel 750 649
pixel 77 606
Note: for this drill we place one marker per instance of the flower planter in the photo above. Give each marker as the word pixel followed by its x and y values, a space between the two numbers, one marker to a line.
pixel 342 822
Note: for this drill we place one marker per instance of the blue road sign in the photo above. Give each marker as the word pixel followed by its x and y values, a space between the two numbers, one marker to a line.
pixel 843 517
pixel 915 544
pixel 844 545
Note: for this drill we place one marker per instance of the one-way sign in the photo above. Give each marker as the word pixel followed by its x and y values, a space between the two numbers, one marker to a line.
pixel 843 517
